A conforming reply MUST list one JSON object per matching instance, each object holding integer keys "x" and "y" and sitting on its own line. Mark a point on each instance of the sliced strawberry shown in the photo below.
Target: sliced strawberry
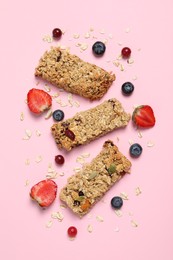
{"x": 38, "y": 100}
{"x": 44, "y": 192}
{"x": 143, "y": 116}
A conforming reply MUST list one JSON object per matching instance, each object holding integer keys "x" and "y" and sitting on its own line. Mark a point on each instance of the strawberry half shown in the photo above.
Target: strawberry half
{"x": 38, "y": 100}
{"x": 143, "y": 116}
{"x": 44, "y": 192}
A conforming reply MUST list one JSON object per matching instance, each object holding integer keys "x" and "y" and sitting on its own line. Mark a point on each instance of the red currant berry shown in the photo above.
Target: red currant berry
{"x": 59, "y": 159}
{"x": 57, "y": 33}
{"x": 70, "y": 134}
{"x": 126, "y": 52}
{"x": 72, "y": 231}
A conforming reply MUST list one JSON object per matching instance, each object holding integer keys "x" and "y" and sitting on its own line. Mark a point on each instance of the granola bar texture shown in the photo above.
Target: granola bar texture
{"x": 88, "y": 125}
{"x": 88, "y": 186}
{"x": 74, "y": 75}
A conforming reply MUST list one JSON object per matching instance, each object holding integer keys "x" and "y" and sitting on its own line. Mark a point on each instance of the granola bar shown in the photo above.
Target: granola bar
{"x": 88, "y": 125}
{"x": 74, "y": 75}
{"x": 88, "y": 186}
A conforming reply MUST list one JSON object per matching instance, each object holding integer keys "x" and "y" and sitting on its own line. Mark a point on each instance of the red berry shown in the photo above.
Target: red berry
{"x": 70, "y": 134}
{"x": 59, "y": 159}
{"x": 72, "y": 231}
{"x": 126, "y": 52}
{"x": 57, "y": 33}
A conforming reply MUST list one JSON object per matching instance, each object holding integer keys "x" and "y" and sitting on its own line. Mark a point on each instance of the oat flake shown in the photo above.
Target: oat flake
{"x": 124, "y": 196}
{"x": 99, "y": 218}
{"x": 134, "y": 223}
{"x": 48, "y": 114}
{"x": 49, "y": 223}
{"x": 21, "y": 116}
{"x": 150, "y": 144}
{"x": 27, "y": 162}
{"x": 90, "y": 228}
{"x": 38, "y": 133}
{"x": 118, "y": 212}
{"x": 117, "y": 229}
{"x": 138, "y": 191}
{"x": 28, "y": 132}
{"x": 57, "y": 215}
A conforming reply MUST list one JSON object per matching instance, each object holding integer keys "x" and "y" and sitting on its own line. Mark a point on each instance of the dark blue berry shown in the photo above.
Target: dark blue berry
{"x": 99, "y": 48}
{"x": 116, "y": 202}
{"x": 58, "y": 115}
{"x": 135, "y": 150}
{"x": 127, "y": 88}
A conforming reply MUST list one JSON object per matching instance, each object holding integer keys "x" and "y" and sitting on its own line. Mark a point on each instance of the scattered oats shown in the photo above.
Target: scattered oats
{"x": 55, "y": 95}
{"x": 105, "y": 41}
{"x": 119, "y": 57}
{"x": 83, "y": 46}
{"x": 133, "y": 223}
{"x": 118, "y": 139}
{"x": 77, "y": 169}
{"x": 63, "y": 104}
{"x": 150, "y": 143}
{"x": 117, "y": 229}
{"x": 85, "y": 155}
{"x": 90, "y": 228}
{"x": 119, "y": 43}
{"x": 116, "y": 63}
{"x": 118, "y": 212}
{"x": 102, "y": 31}
{"x": 28, "y": 133}
{"x": 76, "y": 36}
{"x": 63, "y": 32}
{"x": 49, "y": 223}
{"x": 78, "y": 44}
{"x": 52, "y": 175}
{"x": 38, "y": 133}
{"x": 21, "y": 116}
{"x": 87, "y": 35}
{"x": 47, "y": 88}
{"x": 121, "y": 67}
{"x": 99, "y": 218}
{"x": 138, "y": 191}
{"x": 131, "y": 141}
{"x": 48, "y": 38}
{"x": 57, "y": 215}
{"x": 26, "y": 182}
{"x": 50, "y": 168}
{"x": 110, "y": 36}
{"x": 94, "y": 37}
{"x": 63, "y": 47}
{"x": 91, "y": 29}
{"x": 58, "y": 100}
{"x": 130, "y": 61}
{"x": 134, "y": 78}
{"x": 124, "y": 196}
{"x": 89, "y": 215}
{"x": 48, "y": 114}
{"x": 38, "y": 159}
{"x": 130, "y": 214}
{"x": 25, "y": 138}
{"x": 139, "y": 134}
{"x": 127, "y": 30}
{"x": 26, "y": 101}
{"x": 27, "y": 162}
{"x": 37, "y": 83}
{"x": 80, "y": 159}
{"x": 61, "y": 174}
{"x": 63, "y": 206}
{"x": 135, "y": 106}
{"x": 76, "y": 104}
{"x": 104, "y": 201}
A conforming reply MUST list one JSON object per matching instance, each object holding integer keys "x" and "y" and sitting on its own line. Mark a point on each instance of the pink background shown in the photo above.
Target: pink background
{"x": 23, "y": 233}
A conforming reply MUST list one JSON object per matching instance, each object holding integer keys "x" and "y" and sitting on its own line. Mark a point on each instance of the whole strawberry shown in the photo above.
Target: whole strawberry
{"x": 143, "y": 116}
{"x": 44, "y": 192}
{"x": 38, "y": 100}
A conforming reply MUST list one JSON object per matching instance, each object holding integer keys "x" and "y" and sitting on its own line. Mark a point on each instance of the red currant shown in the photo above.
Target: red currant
{"x": 57, "y": 33}
{"x": 126, "y": 52}
{"x": 59, "y": 159}
{"x": 72, "y": 231}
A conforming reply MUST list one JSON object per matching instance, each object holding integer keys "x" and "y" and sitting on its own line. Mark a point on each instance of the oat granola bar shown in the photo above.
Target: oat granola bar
{"x": 74, "y": 75}
{"x": 88, "y": 125}
{"x": 88, "y": 186}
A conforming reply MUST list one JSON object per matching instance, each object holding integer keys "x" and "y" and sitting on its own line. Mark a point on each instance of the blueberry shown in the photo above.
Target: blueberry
{"x": 58, "y": 115}
{"x": 116, "y": 202}
{"x": 135, "y": 150}
{"x": 99, "y": 48}
{"x": 127, "y": 88}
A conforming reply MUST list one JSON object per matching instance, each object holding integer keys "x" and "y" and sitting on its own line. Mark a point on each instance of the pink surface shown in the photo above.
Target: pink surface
{"x": 147, "y": 30}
